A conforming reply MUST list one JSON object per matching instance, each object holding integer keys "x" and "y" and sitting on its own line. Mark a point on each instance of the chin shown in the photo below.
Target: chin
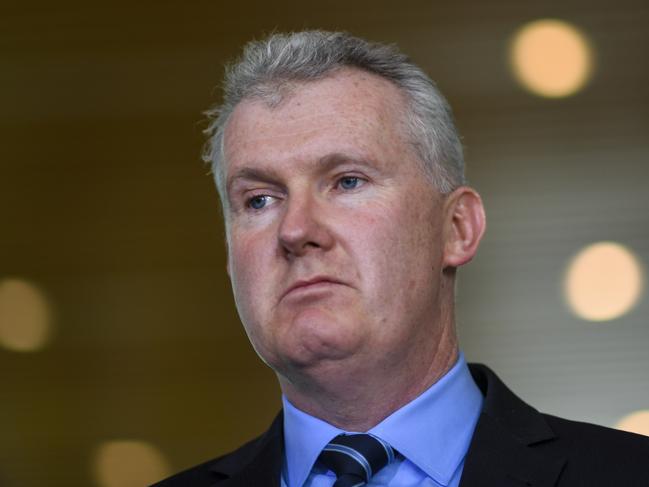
{"x": 315, "y": 338}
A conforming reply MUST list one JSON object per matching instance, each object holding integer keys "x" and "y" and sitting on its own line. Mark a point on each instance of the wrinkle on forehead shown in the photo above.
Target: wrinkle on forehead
{"x": 291, "y": 128}
{"x": 357, "y": 97}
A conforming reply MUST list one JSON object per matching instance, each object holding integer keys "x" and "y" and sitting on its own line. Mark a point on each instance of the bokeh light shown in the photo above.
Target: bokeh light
{"x": 551, "y": 58}
{"x": 603, "y": 281}
{"x": 129, "y": 463}
{"x": 25, "y": 316}
{"x": 637, "y": 422}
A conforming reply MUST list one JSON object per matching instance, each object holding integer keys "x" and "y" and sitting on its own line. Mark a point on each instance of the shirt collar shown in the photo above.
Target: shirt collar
{"x": 304, "y": 438}
{"x": 433, "y": 431}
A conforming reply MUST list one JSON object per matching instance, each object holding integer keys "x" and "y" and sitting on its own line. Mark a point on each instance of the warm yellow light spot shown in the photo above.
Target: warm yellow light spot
{"x": 637, "y": 422}
{"x": 25, "y": 316}
{"x": 551, "y": 58}
{"x": 129, "y": 463}
{"x": 603, "y": 281}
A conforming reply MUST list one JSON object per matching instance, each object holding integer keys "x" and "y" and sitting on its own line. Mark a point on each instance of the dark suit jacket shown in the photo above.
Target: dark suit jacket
{"x": 513, "y": 446}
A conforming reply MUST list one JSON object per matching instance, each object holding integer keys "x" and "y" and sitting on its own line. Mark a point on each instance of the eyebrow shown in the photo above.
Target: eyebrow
{"x": 268, "y": 174}
{"x": 335, "y": 159}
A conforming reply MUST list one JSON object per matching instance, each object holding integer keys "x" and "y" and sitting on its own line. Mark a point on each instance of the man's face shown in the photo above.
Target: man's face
{"x": 334, "y": 234}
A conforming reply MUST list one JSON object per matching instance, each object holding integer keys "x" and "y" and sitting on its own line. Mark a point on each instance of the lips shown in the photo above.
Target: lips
{"x": 304, "y": 284}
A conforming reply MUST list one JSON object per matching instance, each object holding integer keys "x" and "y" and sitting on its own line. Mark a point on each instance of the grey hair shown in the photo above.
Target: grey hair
{"x": 267, "y": 67}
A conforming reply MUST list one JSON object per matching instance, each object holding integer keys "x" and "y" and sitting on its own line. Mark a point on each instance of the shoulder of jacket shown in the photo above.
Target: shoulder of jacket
{"x": 224, "y": 466}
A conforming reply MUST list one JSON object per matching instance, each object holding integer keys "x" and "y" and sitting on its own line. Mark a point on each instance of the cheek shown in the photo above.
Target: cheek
{"x": 250, "y": 275}
{"x": 246, "y": 264}
{"x": 399, "y": 251}
{"x": 399, "y": 232}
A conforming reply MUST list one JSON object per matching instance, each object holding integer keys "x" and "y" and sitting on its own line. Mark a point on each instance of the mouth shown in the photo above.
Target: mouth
{"x": 318, "y": 282}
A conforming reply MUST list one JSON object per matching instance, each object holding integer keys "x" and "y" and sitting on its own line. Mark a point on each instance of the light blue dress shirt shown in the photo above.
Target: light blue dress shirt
{"x": 431, "y": 435}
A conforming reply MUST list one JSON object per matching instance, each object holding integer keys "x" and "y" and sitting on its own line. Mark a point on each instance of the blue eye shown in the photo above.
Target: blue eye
{"x": 258, "y": 202}
{"x": 349, "y": 182}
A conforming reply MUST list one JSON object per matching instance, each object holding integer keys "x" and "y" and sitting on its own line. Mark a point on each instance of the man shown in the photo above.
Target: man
{"x": 341, "y": 178}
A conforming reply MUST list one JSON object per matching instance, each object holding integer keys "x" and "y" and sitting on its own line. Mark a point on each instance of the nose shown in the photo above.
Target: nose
{"x": 303, "y": 228}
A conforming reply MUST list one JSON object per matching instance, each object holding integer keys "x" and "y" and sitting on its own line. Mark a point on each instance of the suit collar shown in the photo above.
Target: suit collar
{"x": 510, "y": 444}
{"x": 258, "y": 463}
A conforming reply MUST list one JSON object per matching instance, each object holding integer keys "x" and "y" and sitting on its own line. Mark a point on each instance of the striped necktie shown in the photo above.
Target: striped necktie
{"x": 355, "y": 458}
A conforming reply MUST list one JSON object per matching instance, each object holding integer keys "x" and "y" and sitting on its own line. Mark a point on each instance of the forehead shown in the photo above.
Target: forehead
{"x": 350, "y": 111}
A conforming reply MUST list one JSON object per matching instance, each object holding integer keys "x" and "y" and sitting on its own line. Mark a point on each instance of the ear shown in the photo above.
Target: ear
{"x": 464, "y": 226}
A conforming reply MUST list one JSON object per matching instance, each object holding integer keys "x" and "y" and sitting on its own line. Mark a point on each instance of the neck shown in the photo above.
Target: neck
{"x": 358, "y": 398}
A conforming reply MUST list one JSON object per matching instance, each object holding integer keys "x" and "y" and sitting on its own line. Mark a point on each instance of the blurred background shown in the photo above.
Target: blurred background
{"x": 122, "y": 358}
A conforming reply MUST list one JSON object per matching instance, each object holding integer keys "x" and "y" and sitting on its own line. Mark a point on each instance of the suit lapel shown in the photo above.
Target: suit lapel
{"x": 261, "y": 465}
{"x": 496, "y": 459}
{"x": 512, "y": 443}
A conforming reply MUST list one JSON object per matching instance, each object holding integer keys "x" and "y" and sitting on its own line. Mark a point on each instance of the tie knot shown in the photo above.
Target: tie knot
{"x": 355, "y": 458}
